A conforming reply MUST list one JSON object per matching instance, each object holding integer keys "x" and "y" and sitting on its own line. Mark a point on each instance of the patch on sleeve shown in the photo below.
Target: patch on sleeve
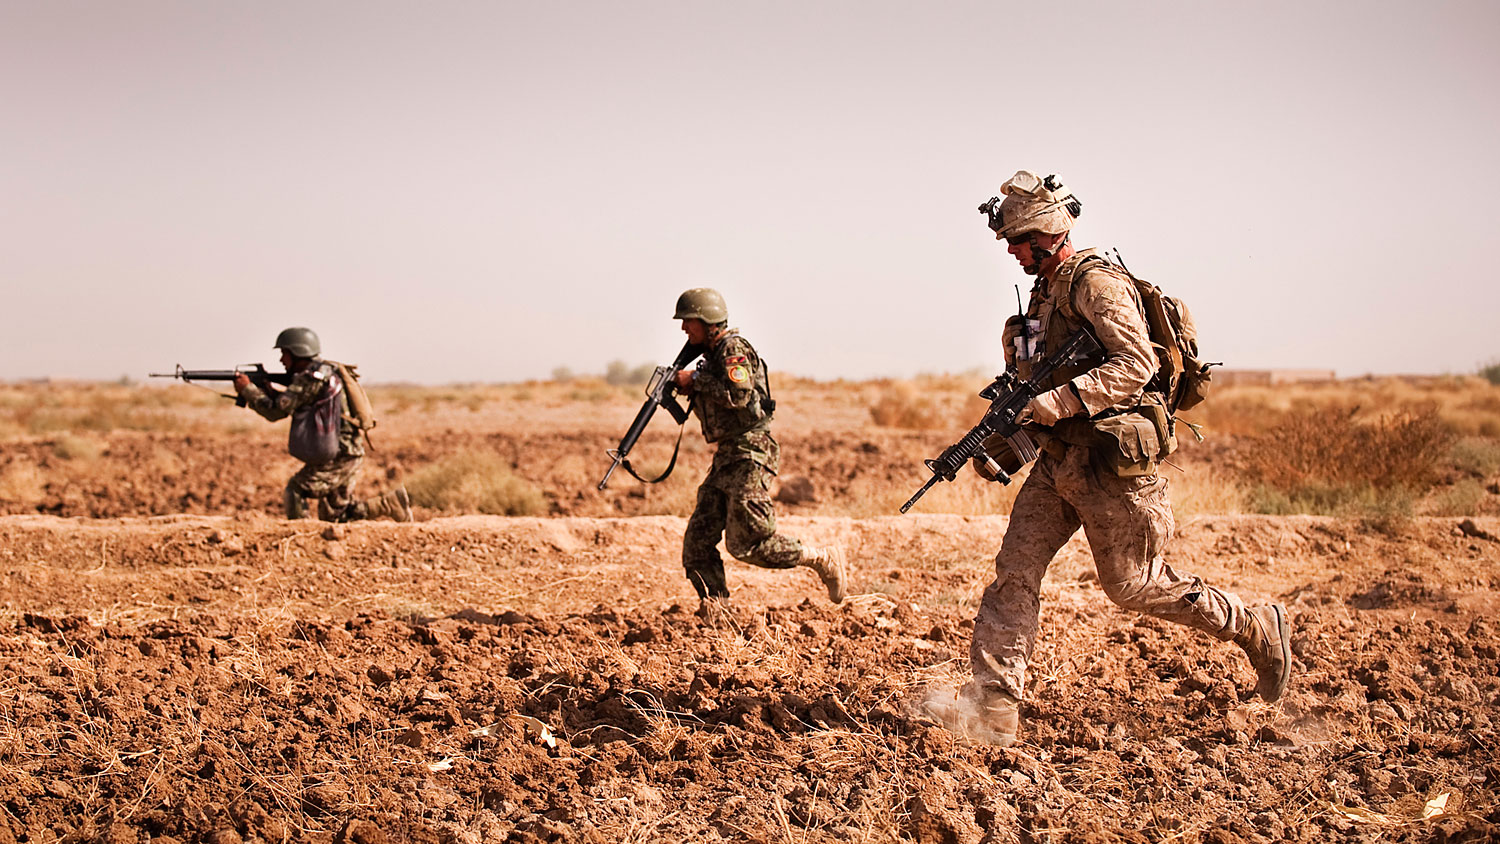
{"x": 739, "y": 373}
{"x": 734, "y": 359}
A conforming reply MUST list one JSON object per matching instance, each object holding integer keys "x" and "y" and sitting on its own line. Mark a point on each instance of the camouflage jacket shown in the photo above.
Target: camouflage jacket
{"x": 306, "y": 388}
{"x": 1095, "y": 294}
{"x": 732, "y": 395}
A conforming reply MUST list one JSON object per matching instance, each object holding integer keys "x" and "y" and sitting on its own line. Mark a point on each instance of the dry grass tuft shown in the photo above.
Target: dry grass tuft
{"x": 74, "y": 447}
{"x": 902, "y": 406}
{"x": 1464, "y": 498}
{"x": 1197, "y": 491}
{"x": 475, "y": 482}
{"x": 21, "y": 483}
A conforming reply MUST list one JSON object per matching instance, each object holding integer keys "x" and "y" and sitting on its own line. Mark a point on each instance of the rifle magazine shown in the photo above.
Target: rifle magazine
{"x": 1023, "y": 445}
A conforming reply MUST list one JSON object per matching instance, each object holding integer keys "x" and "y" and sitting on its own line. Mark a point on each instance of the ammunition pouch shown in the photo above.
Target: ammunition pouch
{"x": 1128, "y": 445}
{"x": 1132, "y": 443}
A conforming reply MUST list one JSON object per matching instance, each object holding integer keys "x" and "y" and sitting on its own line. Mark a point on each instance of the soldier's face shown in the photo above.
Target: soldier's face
{"x": 1020, "y": 248}
{"x": 696, "y": 330}
{"x": 286, "y": 360}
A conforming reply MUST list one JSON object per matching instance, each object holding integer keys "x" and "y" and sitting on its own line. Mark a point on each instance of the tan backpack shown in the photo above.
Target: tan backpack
{"x": 361, "y": 412}
{"x": 1182, "y": 377}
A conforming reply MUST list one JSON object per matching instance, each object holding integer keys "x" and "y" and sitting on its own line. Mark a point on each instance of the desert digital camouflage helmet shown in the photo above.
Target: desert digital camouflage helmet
{"x": 1032, "y": 204}
{"x": 301, "y": 342}
{"x": 703, "y": 303}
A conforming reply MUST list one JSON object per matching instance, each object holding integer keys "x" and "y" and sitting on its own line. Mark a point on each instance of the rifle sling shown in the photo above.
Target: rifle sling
{"x": 670, "y": 466}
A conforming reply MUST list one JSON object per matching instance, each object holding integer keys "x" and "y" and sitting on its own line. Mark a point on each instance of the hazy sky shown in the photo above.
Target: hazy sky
{"x": 485, "y": 191}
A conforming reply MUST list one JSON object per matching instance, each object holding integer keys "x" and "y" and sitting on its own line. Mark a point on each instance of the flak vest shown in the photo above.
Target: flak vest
{"x": 1129, "y": 440}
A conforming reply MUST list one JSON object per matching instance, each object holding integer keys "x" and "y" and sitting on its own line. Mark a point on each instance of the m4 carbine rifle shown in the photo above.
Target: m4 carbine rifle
{"x": 661, "y": 391}
{"x": 256, "y": 372}
{"x": 1007, "y": 395}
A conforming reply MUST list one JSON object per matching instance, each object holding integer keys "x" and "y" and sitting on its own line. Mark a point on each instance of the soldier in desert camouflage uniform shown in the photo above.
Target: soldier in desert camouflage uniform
{"x": 731, "y": 395}
{"x": 331, "y": 482}
{"x": 1092, "y": 406}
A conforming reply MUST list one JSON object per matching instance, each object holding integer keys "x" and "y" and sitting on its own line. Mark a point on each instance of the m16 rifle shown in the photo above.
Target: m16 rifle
{"x": 254, "y": 371}
{"x": 661, "y": 391}
{"x": 1007, "y": 395}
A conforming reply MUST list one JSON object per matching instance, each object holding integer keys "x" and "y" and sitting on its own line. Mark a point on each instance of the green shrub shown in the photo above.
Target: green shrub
{"x": 1387, "y": 509}
{"x": 619, "y": 373}
{"x": 1461, "y": 499}
{"x": 474, "y": 482}
{"x": 1491, "y": 372}
{"x": 1477, "y": 456}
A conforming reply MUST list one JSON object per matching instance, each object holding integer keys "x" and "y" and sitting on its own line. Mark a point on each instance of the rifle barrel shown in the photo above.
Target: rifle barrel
{"x": 921, "y": 492}
{"x": 617, "y": 460}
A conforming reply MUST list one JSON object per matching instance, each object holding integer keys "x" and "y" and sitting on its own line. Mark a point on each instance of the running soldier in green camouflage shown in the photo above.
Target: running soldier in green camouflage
{"x": 731, "y": 395}
{"x": 316, "y": 385}
{"x": 1101, "y": 443}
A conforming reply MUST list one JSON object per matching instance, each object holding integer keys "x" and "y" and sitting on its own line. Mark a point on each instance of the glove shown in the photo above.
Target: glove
{"x": 1008, "y": 338}
{"x": 1047, "y": 408}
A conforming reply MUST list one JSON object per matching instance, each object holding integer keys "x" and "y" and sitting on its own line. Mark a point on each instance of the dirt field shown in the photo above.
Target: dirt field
{"x": 185, "y": 666}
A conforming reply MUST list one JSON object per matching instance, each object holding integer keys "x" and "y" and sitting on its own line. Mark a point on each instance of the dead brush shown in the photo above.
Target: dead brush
{"x": 669, "y": 733}
{"x": 758, "y": 646}
{"x": 902, "y": 406}
{"x": 632, "y": 813}
{"x": 474, "y": 482}
{"x": 1326, "y": 460}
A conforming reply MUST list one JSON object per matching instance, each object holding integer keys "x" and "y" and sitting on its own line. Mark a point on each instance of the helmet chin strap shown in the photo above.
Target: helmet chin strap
{"x": 1040, "y": 256}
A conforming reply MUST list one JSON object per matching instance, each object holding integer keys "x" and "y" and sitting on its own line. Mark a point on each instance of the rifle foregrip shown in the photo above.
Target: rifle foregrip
{"x": 959, "y": 453}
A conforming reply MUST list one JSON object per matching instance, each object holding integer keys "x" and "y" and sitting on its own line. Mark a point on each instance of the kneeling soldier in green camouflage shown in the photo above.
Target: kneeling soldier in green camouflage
{"x": 731, "y": 394}
{"x": 324, "y": 434}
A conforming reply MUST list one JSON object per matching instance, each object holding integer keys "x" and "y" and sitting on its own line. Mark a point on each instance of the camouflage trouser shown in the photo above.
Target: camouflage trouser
{"x": 332, "y": 483}
{"x": 1128, "y": 522}
{"x": 735, "y": 501}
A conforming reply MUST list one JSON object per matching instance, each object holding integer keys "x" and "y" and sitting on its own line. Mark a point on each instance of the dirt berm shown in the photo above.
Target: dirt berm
{"x": 238, "y": 679}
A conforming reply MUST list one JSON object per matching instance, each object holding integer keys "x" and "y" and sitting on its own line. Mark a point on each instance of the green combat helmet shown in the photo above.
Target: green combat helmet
{"x": 703, "y": 303}
{"x": 301, "y": 342}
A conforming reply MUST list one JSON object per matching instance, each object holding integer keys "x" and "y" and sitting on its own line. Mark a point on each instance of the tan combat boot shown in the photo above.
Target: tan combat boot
{"x": 828, "y": 562}
{"x": 988, "y": 716}
{"x": 1267, "y": 640}
{"x": 396, "y": 504}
